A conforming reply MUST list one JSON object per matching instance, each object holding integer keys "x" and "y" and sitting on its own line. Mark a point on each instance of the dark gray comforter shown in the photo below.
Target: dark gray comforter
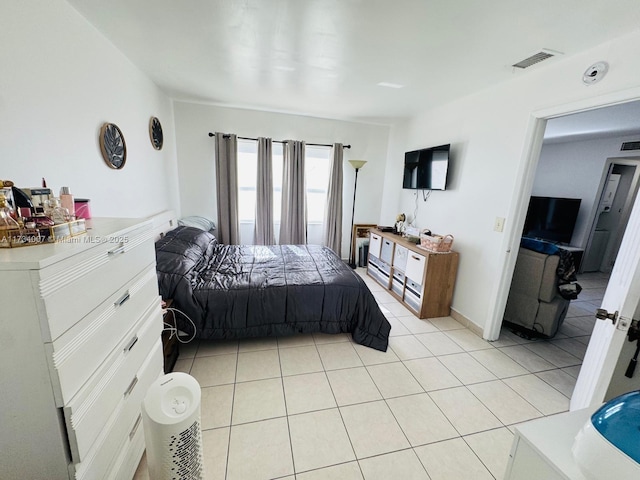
{"x": 238, "y": 291}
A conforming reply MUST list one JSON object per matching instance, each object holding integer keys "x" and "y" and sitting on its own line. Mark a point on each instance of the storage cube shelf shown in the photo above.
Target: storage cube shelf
{"x": 423, "y": 281}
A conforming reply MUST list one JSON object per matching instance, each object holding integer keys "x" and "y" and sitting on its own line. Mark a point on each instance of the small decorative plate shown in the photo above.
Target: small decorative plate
{"x": 155, "y": 133}
{"x": 113, "y": 146}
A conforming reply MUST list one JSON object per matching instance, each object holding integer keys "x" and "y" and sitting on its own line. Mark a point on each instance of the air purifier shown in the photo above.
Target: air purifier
{"x": 172, "y": 432}
{"x": 608, "y": 445}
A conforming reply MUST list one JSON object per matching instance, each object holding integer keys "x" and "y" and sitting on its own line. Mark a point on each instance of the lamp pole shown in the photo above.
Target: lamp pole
{"x": 357, "y": 164}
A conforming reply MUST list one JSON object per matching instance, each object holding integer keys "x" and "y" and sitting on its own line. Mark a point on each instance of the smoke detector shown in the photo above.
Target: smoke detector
{"x": 595, "y": 73}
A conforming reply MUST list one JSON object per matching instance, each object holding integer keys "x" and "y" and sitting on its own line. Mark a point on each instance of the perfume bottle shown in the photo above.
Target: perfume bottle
{"x": 6, "y": 217}
{"x": 9, "y": 227}
{"x": 59, "y": 214}
{"x": 66, "y": 200}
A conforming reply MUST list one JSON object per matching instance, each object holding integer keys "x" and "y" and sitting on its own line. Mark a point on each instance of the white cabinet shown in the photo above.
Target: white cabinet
{"x": 81, "y": 345}
{"x": 541, "y": 448}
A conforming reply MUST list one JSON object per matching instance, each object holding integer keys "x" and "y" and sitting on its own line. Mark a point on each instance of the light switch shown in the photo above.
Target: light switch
{"x": 498, "y": 226}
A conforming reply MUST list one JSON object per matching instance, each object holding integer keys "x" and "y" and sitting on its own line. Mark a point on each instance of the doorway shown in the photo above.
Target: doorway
{"x": 620, "y": 187}
{"x": 521, "y": 202}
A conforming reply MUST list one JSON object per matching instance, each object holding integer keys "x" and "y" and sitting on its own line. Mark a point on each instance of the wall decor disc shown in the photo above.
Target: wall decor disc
{"x": 113, "y": 146}
{"x": 155, "y": 132}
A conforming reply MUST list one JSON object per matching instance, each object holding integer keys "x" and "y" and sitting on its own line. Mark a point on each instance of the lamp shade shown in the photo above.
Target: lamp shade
{"x": 357, "y": 163}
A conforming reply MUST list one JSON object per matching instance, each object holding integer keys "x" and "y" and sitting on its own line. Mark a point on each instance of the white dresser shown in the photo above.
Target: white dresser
{"x": 79, "y": 347}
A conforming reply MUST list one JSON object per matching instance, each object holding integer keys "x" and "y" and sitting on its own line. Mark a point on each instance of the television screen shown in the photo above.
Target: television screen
{"x": 551, "y": 219}
{"x": 426, "y": 169}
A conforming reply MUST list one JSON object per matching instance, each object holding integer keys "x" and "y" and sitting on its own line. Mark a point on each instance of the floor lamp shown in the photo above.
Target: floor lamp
{"x": 357, "y": 164}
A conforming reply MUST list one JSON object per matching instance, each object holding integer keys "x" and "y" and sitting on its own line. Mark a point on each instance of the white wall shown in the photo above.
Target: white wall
{"x": 61, "y": 80}
{"x": 196, "y": 154}
{"x": 575, "y": 170}
{"x": 490, "y": 136}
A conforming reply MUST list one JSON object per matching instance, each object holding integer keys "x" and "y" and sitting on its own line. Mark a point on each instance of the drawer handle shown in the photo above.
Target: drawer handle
{"x": 131, "y": 386}
{"x": 116, "y": 251}
{"x": 135, "y": 427}
{"x": 375, "y": 237}
{"x": 133, "y": 341}
{"x": 122, "y": 299}
{"x": 415, "y": 258}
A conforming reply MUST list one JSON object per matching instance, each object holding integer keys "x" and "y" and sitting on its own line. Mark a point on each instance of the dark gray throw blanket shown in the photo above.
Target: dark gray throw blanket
{"x": 238, "y": 291}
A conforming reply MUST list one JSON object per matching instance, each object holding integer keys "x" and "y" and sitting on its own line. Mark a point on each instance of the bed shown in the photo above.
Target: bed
{"x": 240, "y": 291}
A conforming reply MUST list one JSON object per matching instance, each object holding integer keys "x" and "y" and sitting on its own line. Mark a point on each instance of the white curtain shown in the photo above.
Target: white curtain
{"x": 333, "y": 209}
{"x": 264, "y": 230}
{"x": 228, "y": 231}
{"x": 293, "y": 223}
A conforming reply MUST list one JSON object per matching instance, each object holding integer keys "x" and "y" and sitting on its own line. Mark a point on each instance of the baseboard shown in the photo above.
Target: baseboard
{"x": 461, "y": 319}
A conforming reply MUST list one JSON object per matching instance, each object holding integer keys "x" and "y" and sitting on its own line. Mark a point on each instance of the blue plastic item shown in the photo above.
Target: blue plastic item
{"x": 618, "y": 421}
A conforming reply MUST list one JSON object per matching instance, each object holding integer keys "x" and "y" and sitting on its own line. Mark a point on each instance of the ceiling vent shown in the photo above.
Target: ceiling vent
{"x": 630, "y": 146}
{"x": 536, "y": 58}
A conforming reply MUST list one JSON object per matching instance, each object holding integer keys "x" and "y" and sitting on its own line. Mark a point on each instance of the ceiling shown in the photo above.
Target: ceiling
{"x": 327, "y": 58}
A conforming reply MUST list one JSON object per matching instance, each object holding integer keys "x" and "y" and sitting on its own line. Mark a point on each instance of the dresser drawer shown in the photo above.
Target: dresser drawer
{"x": 386, "y": 251}
{"x": 375, "y": 244}
{"x": 400, "y": 258}
{"x": 114, "y": 382}
{"x": 415, "y": 267}
{"x": 76, "y": 354}
{"x": 129, "y": 456}
{"x": 71, "y": 289}
{"x": 124, "y": 424}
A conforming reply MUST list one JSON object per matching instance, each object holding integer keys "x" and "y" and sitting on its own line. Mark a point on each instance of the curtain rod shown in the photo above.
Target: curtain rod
{"x": 226, "y": 135}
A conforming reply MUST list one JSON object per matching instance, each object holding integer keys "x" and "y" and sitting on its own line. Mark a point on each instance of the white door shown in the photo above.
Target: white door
{"x": 622, "y": 296}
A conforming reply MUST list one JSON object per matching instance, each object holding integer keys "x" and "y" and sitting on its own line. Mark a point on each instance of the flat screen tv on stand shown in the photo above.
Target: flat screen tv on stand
{"x": 552, "y": 219}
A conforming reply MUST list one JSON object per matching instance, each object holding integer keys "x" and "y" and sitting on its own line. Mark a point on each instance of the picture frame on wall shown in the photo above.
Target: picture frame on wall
{"x": 155, "y": 133}
{"x": 113, "y": 146}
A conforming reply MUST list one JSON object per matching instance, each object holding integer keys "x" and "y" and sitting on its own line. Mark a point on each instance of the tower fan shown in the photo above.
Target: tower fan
{"x": 173, "y": 436}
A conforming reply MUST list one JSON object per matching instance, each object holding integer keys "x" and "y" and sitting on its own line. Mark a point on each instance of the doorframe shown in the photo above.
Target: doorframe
{"x": 523, "y": 187}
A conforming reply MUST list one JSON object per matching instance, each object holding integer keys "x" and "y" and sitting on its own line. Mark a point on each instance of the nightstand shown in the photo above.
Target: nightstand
{"x": 170, "y": 344}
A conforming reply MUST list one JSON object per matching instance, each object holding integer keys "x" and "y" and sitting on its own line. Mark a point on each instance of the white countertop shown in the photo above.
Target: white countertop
{"x": 99, "y": 231}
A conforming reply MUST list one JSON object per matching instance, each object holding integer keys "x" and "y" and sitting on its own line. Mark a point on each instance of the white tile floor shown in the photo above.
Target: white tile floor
{"x": 439, "y": 404}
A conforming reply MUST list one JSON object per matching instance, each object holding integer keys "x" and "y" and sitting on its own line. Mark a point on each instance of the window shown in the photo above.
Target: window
{"x": 247, "y": 173}
{"x": 317, "y": 181}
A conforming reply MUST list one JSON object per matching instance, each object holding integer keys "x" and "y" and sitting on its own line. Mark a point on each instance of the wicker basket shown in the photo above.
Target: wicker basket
{"x": 436, "y": 243}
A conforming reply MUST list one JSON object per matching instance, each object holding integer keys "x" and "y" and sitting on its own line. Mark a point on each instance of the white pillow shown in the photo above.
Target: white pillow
{"x": 196, "y": 221}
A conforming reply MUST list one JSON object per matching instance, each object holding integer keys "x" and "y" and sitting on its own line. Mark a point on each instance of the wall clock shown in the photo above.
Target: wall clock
{"x": 113, "y": 146}
{"x": 155, "y": 133}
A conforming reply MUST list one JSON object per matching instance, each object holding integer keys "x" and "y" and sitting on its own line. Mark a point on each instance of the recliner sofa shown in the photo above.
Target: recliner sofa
{"x": 534, "y": 306}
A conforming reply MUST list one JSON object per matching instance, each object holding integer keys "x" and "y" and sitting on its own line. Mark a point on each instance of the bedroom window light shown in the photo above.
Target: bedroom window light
{"x": 317, "y": 181}
{"x": 247, "y": 171}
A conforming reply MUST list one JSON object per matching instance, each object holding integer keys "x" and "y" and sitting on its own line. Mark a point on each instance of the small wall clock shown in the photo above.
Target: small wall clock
{"x": 155, "y": 133}
{"x": 113, "y": 146}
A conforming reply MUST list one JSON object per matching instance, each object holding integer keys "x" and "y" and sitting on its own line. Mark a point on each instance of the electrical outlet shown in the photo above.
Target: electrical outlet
{"x": 498, "y": 226}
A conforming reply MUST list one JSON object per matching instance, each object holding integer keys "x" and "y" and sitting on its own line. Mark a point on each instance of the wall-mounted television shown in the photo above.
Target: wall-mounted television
{"x": 426, "y": 169}
{"x": 552, "y": 219}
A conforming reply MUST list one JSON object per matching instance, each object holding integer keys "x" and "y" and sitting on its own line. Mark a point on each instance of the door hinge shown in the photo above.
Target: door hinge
{"x": 602, "y": 314}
